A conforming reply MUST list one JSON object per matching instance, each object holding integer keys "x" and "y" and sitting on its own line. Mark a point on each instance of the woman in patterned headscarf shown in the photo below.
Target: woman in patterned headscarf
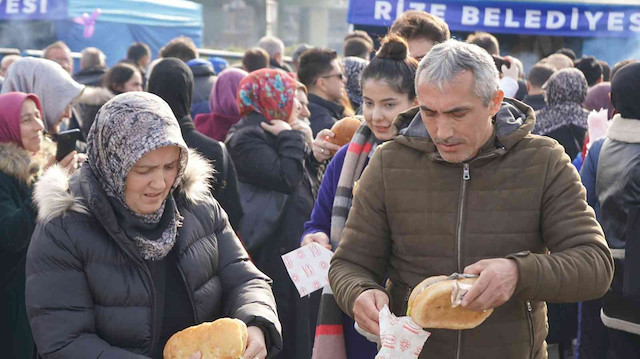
{"x": 564, "y": 118}
{"x": 269, "y": 148}
{"x": 353, "y": 67}
{"x": 133, "y": 248}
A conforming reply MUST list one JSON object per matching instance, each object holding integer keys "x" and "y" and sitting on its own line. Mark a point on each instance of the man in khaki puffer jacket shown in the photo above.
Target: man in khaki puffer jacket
{"x": 467, "y": 188}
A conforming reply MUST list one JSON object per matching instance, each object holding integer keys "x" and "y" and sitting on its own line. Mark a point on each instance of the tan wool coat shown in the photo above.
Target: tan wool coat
{"x": 416, "y": 215}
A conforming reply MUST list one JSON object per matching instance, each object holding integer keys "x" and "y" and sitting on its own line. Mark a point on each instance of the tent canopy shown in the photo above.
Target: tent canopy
{"x": 122, "y": 22}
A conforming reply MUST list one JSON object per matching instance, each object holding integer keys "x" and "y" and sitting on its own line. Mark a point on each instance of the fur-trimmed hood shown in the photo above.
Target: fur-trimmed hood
{"x": 55, "y": 194}
{"x": 16, "y": 162}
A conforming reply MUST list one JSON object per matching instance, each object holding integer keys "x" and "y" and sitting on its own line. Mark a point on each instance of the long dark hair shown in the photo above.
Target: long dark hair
{"x": 117, "y": 76}
{"x": 393, "y": 66}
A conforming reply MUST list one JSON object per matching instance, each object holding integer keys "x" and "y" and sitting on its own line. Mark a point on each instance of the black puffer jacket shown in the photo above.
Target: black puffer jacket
{"x": 618, "y": 188}
{"x": 275, "y": 163}
{"x": 89, "y": 293}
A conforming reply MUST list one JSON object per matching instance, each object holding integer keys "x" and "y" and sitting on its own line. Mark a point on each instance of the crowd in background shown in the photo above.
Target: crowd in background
{"x": 265, "y": 125}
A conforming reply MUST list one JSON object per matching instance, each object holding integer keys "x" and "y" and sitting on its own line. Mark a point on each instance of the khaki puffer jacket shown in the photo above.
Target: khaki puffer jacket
{"x": 416, "y": 216}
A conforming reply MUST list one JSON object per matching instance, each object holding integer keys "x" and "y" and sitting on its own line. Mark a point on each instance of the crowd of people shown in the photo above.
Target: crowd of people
{"x": 192, "y": 177}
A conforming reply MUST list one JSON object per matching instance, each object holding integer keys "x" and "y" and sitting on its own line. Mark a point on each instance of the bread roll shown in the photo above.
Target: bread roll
{"x": 344, "y": 130}
{"x": 225, "y": 338}
{"x": 430, "y": 305}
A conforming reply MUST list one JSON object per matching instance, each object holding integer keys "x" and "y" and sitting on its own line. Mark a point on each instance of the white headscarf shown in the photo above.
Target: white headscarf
{"x": 48, "y": 80}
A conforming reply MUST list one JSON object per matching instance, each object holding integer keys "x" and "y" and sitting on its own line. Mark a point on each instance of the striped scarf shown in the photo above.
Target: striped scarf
{"x": 329, "y": 338}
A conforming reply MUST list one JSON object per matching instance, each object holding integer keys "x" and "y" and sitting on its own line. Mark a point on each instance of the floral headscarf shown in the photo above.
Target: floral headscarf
{"x": 269, "y": 92}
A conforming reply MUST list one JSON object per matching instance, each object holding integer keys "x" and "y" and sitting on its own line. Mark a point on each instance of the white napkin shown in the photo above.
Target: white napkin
{"x": 308, "y": 267}
{"x": 400, "y": 338}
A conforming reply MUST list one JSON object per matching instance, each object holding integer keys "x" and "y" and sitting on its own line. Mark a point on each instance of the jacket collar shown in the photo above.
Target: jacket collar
{"x": 91, "y": 71}
{"x": 624, "y": 129}
{"x": 201, "y": 68}
{"x": 513, "y": 122}
{"x": 335, "y": 108}
{"x": 17, "y": 163}
{"x": 56, "y": 193}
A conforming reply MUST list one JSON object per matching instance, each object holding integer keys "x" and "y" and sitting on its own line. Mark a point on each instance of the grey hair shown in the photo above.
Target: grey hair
{"x": 93, "y": 57}
{"x": 272, "y": 45}
{"x": 448, "y": 59}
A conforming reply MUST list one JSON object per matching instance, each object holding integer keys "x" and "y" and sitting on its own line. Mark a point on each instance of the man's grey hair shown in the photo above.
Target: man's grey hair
{"x": 448, "y": 59}
{"x": 272, "y": 45}
{"x": 56, "y": 45}
{"x": 10, "y": 58}
{"x": 93, "y": 57}
{"x": 299, "y": 50}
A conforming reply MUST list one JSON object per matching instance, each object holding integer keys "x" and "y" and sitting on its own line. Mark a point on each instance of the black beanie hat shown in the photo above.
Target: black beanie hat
{"x": 625, "y": 91}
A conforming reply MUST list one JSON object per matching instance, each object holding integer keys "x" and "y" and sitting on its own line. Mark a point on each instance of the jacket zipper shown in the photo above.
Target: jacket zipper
{"x": 466, "y": 175}
{"x": 531, "y": 339}
{"x": 406, "y": 301}
{"x": 193, "y": 306}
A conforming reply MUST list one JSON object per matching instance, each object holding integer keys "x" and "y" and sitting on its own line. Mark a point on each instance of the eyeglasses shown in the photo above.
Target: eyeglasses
{"x": 340, "y": 76}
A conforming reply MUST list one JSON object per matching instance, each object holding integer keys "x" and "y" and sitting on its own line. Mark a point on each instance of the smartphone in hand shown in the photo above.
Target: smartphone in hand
{"x": 66, "y": 143}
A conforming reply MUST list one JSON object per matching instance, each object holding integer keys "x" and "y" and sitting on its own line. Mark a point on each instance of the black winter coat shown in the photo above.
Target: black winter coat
{"x": 571, "y": 137}
{"x": 204, "y": 77}
{"x": 276, "y": 163}
{"x": 17, "y": 221}
{"x": 225, "y": 184}
{"x": 323, "y": 113}
{"x": 91, "y": 77}
{"x": 618, "y": 188}
{"x": 89, "y": 292}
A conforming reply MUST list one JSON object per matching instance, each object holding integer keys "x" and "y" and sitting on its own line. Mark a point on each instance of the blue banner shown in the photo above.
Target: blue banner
{"x": 33, "y": 9}
{"x": 512, "y": 17}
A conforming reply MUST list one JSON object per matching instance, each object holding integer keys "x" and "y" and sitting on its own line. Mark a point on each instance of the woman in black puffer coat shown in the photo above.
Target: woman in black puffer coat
{"x": 133, "y": 248}
{"x": 172, "y": 80}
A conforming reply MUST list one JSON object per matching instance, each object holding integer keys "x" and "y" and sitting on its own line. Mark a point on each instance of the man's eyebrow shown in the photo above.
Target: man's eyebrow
{"x": 455, "y": 109}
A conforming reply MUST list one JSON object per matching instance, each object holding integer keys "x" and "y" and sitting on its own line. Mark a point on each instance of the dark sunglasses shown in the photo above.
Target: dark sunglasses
{"x": 340, "y": 76}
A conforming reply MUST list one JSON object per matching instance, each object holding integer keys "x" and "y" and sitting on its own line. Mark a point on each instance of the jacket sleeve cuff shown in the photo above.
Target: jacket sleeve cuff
{"x": 359, "y": 290}
{"x": 527, "y": 274}
{"x": 272, "y": 337}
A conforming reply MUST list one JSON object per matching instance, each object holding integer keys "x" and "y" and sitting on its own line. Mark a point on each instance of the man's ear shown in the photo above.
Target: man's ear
{"x": 320, "y": 84}
{"x": 496, "y": 102}
{"x": 528, "y": 86}
{"x": 277, "y": 57}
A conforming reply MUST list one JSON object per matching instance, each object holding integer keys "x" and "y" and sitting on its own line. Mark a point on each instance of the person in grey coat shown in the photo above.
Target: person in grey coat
{"x": 133, "y": 248}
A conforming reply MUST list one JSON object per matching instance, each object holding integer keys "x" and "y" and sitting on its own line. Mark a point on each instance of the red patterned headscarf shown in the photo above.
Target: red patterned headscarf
{"x": 269, "y": 92}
